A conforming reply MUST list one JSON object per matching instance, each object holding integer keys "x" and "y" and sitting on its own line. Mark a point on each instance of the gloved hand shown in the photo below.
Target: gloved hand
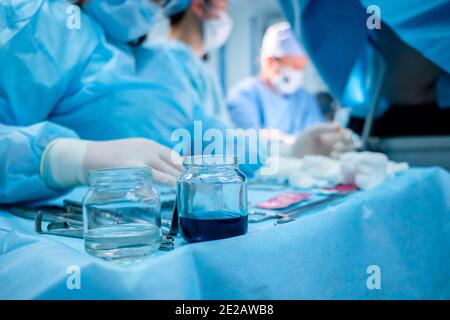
{"x": 328, "y": 139}
{"x": 66, "y": 162}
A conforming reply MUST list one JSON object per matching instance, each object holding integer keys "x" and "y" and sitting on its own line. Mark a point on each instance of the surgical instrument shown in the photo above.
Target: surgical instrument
{"x": 67, "y": 221}
{"x": 284, "y": 216}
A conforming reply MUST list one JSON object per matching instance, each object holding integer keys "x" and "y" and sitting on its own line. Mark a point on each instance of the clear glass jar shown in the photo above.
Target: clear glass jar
{"x": 212, "y": 199}
{"x": 122, "y": 214}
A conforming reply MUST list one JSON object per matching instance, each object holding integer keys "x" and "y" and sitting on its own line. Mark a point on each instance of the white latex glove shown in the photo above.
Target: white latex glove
{"x": 66, "y": 162}
{"x": 328, "y": 139}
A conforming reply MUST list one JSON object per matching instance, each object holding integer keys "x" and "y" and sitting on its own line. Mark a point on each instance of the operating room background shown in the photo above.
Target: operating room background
{"x": 239, "y": 58}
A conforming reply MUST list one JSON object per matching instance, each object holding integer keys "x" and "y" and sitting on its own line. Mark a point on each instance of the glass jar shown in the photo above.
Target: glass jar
{"x": 122, "y": 214}
{"x": 212, "y": 199}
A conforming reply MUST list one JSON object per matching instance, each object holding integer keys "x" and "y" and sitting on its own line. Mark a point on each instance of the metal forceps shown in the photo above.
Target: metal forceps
{"x": 66, "y": 220}
{"x": 289, "y": 215}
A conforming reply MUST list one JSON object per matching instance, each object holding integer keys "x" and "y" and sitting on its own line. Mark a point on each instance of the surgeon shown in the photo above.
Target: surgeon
{"x": 66, "y": 96}
{"x": 276, "y": 98}
{"x": 189, "y": 34}
{"x": 411, "y": 37}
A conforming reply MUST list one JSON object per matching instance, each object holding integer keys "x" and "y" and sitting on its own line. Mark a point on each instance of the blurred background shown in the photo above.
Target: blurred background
{"x": 409, "y": 135}
{"x": 239, "y": 58}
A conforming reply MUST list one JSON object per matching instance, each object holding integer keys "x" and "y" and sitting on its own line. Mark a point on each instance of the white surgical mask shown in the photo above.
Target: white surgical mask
{"x": 216, "y": 32}
{"x": 288, "y": 81}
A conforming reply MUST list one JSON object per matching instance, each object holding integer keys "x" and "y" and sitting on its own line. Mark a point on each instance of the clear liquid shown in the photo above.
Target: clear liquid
{"x": 123, "y": 243}
{"x": 125, "y": 212}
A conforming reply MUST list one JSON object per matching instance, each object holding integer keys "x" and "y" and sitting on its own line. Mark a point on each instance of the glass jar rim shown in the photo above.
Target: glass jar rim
{"x": 119, "y": 172}
{"x": 210, "y": 161}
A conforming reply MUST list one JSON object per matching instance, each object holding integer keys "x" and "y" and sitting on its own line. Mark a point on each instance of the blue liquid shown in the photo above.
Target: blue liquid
{"x": 194, "y": 229}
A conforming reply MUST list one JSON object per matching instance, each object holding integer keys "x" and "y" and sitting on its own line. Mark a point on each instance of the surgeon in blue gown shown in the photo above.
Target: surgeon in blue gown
{"x": 276, "y": 99}
{"x": 189, "y": 41}
{"x": 68, "y": 78}
{"x": 414, "y": 39}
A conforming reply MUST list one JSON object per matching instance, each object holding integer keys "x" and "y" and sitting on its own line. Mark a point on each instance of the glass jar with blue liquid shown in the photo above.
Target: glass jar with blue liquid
{"x": 212, "y": 199}
{"x": 122, "y": 214}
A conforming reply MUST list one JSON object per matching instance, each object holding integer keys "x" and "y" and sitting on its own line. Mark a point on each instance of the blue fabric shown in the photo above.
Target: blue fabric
{"x": 22, "y": 148}
{"x": 188, "y": 74}
{"x": 124, "y": 20}
{"x": 32, "y": 82}
{"x": 87, "y": 87}
{"x": 46, "y": 90}
{"x": 402, "y": 226}
{"x": 253, "y": 105}
{"x": 327, "y": 24}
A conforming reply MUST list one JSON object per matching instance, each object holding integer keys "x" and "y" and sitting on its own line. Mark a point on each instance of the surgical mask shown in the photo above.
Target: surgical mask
{"x": 216, "y": 32}
{"x": 288, "y": 81}
{"x": 124, "y": 20}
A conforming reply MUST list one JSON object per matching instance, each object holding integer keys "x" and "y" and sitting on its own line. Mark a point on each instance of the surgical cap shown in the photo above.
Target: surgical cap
{"x": 172, "y": 7}
{"x": 280, "y": 41}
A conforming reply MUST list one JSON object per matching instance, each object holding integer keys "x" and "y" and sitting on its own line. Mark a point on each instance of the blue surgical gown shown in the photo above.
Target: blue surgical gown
{"x": 58, "y": 82}
{"x": 253, "y": 105}
{"x": 334, "y": 33}
{"x": 177, "y": 58}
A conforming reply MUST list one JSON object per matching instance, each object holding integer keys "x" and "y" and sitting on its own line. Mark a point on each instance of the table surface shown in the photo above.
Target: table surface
{"x": 396, "y": 235}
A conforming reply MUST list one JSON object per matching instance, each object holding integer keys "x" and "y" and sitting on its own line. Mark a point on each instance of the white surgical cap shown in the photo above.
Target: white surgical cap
{"x": 172, "y": 7}
{"x": 280, "y": 41}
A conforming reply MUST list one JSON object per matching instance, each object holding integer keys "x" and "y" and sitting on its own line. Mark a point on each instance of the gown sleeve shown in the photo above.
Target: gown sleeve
{"x": 40, "y": 58}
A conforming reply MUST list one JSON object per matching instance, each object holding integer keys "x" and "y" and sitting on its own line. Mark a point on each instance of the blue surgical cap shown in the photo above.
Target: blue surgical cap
{"x": 172, "y": 7}
{"x": 280, "y": 41}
